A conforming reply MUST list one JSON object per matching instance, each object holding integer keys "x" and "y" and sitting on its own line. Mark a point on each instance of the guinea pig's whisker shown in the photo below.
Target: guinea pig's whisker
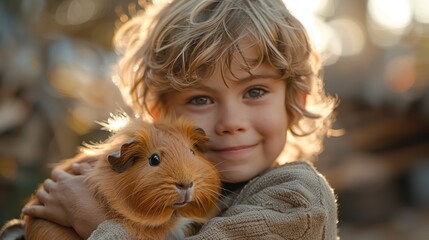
{"x": 200, "y": 204}
{"x": 151, "y": 206}
{"x": 226, "y": 196}
{"x": 163, "y": 206}
{"x": 119, "y": 193}
{"x": 140, "y": 189}
{"x": 230, "y": 170}
{"x": 197, "y": 202}
{"x": 219, "y": 202}
{"x": 229, "y": 191}
{"x": 155, "y": 205}
{"x": 216, "y": 164}
{"x": 212, "y": 193}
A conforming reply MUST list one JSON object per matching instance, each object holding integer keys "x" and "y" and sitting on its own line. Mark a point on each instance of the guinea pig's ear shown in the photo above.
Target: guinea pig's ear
{"x": 200, "y": 139}
{"x": 200, "y": 131}
{"x": 120, "y": 161}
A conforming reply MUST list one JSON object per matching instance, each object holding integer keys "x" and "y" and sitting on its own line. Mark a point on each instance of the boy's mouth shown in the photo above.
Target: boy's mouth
{"x": 236, "y": 150}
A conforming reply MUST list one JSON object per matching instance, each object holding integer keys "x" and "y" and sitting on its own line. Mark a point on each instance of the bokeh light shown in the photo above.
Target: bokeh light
{"x": 308, "y": 7}
{"x": 421, "y": 10}
{"x": 400, "y": 73}
{"x": 390, "y": 14}
{"x": 388, "y": 20}
{"x": 335, "y": 38}
{"x": 75, "y": 12}
{"x": 350, "y": 35}
{"x": 310, "y": 13}
{"x": 8, "y": 167}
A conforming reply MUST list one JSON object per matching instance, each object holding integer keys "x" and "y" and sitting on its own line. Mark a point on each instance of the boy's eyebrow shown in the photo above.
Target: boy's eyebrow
{"x": 257, "y": 76}
{"x": 240, "y": 80}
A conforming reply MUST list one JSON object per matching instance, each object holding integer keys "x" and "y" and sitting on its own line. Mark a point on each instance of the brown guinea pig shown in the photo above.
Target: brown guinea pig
{"x": 150, "y": 177}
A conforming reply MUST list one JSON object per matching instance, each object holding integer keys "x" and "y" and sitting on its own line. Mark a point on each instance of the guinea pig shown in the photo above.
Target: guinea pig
{"x": 150, "y": 177}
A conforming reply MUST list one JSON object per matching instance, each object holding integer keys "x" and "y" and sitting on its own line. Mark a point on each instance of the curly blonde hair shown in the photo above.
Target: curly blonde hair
{"x": 173, "y": 45}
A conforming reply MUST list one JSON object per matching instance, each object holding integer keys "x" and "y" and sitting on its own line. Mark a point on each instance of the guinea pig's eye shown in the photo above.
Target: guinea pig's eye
{"x": 154, "y": 160}
{"x": 192, "y": 151}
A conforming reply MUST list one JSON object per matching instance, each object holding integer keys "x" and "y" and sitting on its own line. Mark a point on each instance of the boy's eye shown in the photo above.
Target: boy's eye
{"x": 255, "y": 93}
{"x": 200, "y": 100}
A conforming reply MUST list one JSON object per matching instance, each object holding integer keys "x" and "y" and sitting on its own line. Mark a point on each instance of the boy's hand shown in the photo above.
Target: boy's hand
{"x": 67, "y": 201}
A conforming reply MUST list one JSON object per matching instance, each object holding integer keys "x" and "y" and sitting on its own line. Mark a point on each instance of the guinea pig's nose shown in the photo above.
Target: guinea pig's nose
{"x": 185, "y": 191}
{"x": 184, "y": 186}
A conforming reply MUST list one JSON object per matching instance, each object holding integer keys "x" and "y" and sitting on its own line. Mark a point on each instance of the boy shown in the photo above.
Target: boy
{"x": 243, "y": 71}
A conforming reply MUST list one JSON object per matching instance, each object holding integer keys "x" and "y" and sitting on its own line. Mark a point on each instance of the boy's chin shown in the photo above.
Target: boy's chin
{"x": 242, "y": 172}
{"x": 236, "y": 177}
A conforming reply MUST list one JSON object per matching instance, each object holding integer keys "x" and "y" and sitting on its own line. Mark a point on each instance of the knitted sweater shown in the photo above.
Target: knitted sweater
{"x": 292, "y": 201}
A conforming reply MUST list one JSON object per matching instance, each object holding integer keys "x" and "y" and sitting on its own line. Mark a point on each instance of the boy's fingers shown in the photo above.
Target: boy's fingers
{"x": 80, "y": 168}
{"x": 34, "y": 210}
{"x": 42, "y": 195}
{"x": 59, "y": 174}
{"x": 48, "y": 185}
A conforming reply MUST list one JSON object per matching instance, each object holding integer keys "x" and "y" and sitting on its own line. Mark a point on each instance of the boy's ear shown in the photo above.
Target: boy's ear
{"x": 302, "y": 98}
{"x": 122, "y": 160}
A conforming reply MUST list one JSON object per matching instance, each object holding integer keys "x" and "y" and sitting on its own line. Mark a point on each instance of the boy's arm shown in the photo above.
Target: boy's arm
{"x": 258, "y": 223}
{"x": 293, "y": 202}
{"x": 110, "y": 230}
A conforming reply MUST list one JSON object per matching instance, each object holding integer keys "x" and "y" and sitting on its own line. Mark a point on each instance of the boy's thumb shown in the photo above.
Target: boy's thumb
{"x": 80, "y": 168}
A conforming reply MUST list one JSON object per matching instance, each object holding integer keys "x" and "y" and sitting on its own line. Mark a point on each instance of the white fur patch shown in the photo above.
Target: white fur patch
{"x": 178, "y": 231}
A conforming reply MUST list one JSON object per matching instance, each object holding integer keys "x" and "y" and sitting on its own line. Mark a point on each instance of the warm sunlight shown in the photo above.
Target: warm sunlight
{"x": 421, "y": 10}
{"x": 333, "y": 39}
{"x": 390, "y": 14}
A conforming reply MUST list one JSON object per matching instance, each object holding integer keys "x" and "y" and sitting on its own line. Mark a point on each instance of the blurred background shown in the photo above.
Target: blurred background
{"x": 56, "y": 62}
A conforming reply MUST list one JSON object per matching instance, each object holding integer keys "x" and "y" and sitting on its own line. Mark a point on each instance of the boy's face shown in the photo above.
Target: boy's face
{"x": 245, "y": 120}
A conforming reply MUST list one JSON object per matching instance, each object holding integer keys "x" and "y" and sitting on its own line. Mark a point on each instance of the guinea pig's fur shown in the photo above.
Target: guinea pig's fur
{"x": 150, "y": 177}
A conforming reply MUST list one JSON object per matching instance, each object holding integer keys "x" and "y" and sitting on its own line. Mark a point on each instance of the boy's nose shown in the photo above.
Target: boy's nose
{"x": 231, "y": 120}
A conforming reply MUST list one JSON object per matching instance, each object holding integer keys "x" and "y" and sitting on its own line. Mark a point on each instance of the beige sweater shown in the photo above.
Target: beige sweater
{"x": 292, "y": 201}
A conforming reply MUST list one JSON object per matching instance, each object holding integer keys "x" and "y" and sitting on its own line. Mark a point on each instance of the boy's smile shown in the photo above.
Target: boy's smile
{"x": 242, "y": 113}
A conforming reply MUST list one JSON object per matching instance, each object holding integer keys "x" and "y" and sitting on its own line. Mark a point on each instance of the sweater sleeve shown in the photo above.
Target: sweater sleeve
{"x": 109, "y": 230}
{"x": 282, "y": 205}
